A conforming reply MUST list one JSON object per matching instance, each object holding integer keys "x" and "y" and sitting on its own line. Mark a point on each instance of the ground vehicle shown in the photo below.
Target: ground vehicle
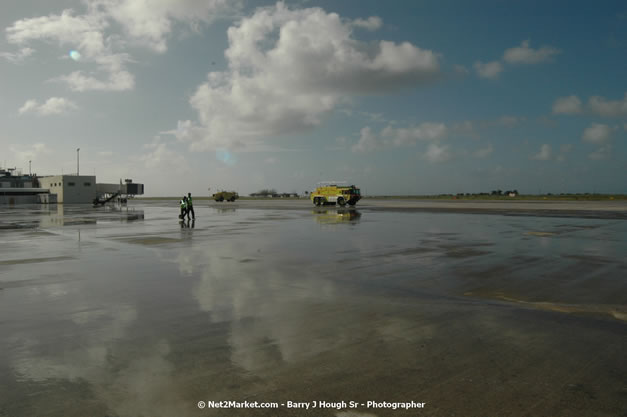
{"x": 333, "y": 192}
{"x": 225, "y": 195}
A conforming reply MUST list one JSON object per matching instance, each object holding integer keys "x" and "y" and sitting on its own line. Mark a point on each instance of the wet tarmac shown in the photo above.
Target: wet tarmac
{"x": 488, "y": 311}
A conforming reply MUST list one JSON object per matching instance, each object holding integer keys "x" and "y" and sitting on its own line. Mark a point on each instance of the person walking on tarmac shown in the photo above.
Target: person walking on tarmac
{"x": 190, "y": 206}
{"x": 183, "y": 208}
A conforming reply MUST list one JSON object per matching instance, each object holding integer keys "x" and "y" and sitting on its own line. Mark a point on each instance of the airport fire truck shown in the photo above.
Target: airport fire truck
{"x": 335, "y": 192}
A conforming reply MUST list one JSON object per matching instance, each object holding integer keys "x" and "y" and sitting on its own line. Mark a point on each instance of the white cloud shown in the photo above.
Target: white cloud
{"x": 596, "y": 105}
{"x": 597, "y": 133}
{"x": 118, "y": 80}
{"x": 484, "y": 152}
{"x": 149, "y": 23}
{"x": 608, "y": 108}
{"x": 409, "y": 136}
{"x": 544, "y": 154}
{"x": 437, "y": 153}
{"x": 84, "y": 33}
{"x": 30, "y": 152}
{"x": 367, "y": 141}
{"x": 603, "y": 152}
{"x": 523, "y": 54}
{"x": 160, "y": 157}
{"x": 372, "y": 23}
{"x": 17, "y": 57}
{"x": 509, "y": 121}
{"x": 567, "y": 105}
{"x": 52, "y": 106}
{"x": 91, "y": 34}
{"x": 489, "y": 69}
{"x": 397, "y": 137}
{"x": 289, "y": 68}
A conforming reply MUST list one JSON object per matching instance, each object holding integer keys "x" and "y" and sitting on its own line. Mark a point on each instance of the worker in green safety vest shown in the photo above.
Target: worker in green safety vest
{"x": 183, "y": 208}
{"x": 190, "y": 206}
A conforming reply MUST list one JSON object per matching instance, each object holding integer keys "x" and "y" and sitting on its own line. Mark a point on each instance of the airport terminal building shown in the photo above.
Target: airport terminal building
{"x": 16, "y": 188}
{"x": 71, "y": 189}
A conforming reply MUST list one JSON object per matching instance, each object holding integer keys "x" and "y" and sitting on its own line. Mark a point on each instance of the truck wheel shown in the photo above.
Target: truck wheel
{"x": 341, "y": 201}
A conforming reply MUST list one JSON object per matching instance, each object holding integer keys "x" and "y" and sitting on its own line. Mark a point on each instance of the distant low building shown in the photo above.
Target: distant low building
{"x": 71, "y": 189}
{"x": 16, "y": 188}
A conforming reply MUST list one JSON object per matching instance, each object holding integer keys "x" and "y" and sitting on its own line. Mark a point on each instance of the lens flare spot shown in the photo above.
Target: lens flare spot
{"x": 225, "y": 156}
{"x": 75, "y": 55}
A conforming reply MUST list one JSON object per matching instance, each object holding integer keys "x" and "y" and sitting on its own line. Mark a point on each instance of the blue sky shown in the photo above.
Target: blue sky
{"x": 413, "y": 97}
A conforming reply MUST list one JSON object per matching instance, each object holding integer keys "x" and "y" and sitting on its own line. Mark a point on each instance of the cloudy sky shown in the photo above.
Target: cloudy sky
{"x": 402, "y": 97}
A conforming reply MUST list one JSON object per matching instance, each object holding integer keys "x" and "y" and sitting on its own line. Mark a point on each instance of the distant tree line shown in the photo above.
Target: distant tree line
{"x": 493, "y": 192}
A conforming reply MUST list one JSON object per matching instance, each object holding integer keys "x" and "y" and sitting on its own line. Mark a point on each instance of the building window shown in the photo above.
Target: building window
{"x": 70, "y": 184}
{"x": 87, "y": 184}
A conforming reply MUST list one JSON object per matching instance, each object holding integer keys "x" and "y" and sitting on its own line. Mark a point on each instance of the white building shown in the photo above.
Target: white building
{"x": 71, "y": 189}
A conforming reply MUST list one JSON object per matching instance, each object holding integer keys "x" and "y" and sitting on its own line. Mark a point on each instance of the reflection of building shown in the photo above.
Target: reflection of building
{"x": 71, "y": 188}
{"x": 22, "y": 189}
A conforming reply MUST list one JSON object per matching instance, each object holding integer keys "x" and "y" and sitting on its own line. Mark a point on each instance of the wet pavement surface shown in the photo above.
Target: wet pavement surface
{"x": 127, "y": 312}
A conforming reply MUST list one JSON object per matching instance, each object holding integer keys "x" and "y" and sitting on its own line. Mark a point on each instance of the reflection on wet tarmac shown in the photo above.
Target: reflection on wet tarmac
{"x": 470, "y": 314}
{"x": 338, "y": 216}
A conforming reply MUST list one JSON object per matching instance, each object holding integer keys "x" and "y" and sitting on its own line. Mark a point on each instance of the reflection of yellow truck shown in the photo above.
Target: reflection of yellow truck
{"x": 335, "y": 193}
{"x": 337, "y": 216}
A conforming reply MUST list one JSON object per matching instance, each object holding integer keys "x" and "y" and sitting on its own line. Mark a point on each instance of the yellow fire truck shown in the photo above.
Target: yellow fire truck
{"x": 334, "y": 192}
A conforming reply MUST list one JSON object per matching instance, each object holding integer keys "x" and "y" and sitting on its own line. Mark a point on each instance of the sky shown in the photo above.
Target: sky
{"x": 400, "y": 97}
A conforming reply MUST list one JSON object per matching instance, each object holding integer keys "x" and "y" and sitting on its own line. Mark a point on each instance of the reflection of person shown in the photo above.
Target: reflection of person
{"x": 190, "y": 206}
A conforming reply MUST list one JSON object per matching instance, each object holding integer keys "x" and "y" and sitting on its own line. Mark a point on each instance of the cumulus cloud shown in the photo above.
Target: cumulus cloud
{"x": 437, "y": 153}
{"x": 409, "y": 136}
{"x": 608, "y": 108}
{"x": 85, "y": 33}
{"x": 597, "y": 133}
{"x": 489, "y": 69}
{"x": 52, "y": 106}
{"x": 391, "y": 136}
{"x": 523, "y": 54}
{"x": 149, "y": 23}
{"x": 372, "y": 23}
{"x": 159, "y": 156}
{"x": 596, "y": 105}
{"x": 544, "y": 154}
{"x": 367, "y": 141}
{"x": 567, "y": 105}
{"x": 91, "y": 35}
{"x": 19, "y": 56}
{"x": 483, "y": 152}
{"x": 288, "y": 68}
{"x": 603, "y": 152}
{"x": 29, "y": 152}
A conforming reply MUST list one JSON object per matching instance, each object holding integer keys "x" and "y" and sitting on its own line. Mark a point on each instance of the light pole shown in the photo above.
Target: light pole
{"x": 30, "y": 173}
{"x": 77, "y": 161}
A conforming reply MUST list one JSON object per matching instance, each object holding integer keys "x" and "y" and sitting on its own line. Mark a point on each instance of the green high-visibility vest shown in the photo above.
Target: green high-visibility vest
{"x": 189, "y": 201}
{"x": 182, "y": 203}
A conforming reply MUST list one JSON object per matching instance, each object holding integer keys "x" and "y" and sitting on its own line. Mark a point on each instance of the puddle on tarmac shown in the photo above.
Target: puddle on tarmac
{"x": 465, "y": 312}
